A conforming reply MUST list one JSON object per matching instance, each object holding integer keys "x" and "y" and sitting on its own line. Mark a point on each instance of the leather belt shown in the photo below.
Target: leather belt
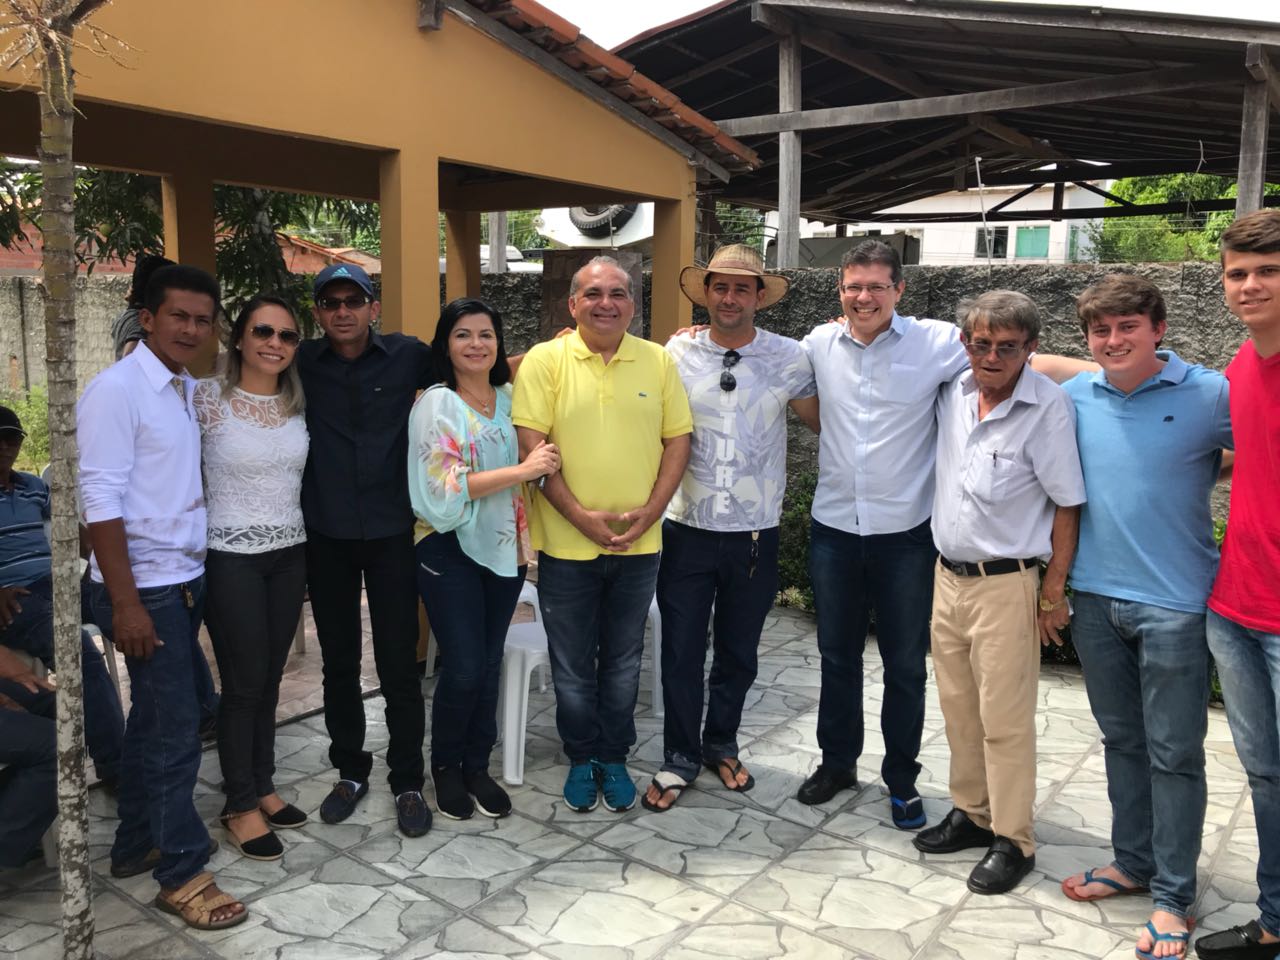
{"x": 988, "y": 568}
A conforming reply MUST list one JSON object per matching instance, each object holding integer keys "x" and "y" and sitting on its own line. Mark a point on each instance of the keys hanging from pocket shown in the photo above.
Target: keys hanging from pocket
{"x": 187, "y": 598}
{"x": 754, "y": 557}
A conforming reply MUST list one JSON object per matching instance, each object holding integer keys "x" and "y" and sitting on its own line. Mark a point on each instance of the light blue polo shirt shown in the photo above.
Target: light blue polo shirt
{"x": 1150, "y": 459}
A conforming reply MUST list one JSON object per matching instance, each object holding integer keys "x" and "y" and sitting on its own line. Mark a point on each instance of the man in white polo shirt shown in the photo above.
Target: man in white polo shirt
{"x": 1009, "y": 489}
{"x": 870, "y": 546}
{"x": 144, "y": 505}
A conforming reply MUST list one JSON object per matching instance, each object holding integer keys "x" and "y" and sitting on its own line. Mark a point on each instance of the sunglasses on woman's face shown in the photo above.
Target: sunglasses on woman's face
{"x": 264, "y": 332}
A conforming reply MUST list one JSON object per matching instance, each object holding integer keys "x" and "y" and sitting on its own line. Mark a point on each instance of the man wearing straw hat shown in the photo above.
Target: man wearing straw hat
{"x": 720, "y": 535}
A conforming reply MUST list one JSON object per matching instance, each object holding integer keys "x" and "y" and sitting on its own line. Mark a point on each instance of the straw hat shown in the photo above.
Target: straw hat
{"x": 737, "y": 259}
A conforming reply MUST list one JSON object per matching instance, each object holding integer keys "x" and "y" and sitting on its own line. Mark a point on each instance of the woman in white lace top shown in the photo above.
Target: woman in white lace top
{"x": 254, "y": 447}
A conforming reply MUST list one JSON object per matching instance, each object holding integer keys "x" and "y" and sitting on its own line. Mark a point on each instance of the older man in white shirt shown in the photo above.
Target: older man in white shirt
{"x": 144, "y": 505}
{"x": 1009, "y": 489}
{"x": 871, "y": 549}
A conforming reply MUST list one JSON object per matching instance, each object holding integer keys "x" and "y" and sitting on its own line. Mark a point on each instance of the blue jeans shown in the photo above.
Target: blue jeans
{"x": 739, "y": 575}
{"x": 1249, "y": 668}
{"x": 469, "y": 607}
{"x": 594, "y": 612}
{"x": 32, "y": 632}
{"x": 852, "y": 575}
{"x": 161, "y": 739}
{"x": 28, "y": 780}
{"x": 1146, "y": 670}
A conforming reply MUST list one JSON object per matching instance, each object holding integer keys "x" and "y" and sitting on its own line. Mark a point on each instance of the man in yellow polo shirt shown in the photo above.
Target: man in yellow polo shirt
{"x": 615, "y": 406}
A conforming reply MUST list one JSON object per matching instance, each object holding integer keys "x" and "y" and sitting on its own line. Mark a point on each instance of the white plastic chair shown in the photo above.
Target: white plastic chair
{"x": 526, "y": 649}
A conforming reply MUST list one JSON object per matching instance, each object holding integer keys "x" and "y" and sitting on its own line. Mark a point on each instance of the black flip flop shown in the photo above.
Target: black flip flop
{"x": 673, "y": 782}
{"x": 733, "y": 765}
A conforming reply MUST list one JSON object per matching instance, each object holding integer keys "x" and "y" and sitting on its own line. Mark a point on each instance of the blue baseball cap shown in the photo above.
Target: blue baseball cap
{"x": 343, "y": 271}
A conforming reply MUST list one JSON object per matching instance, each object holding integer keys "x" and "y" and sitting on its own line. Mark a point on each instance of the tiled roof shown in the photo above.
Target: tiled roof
{"x": 564, "y": 41}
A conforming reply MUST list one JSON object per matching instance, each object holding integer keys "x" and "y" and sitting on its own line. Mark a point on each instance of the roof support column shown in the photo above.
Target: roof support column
{"x": 186, "y": 198}
{"x": 462, "y": 253}
{"x": 498, "y": 242}
{"x": 789, "y": 161}
{"x": 1252, "y": 178}
{"x": 674, "y": 235}
{"x": 408, "y": 199}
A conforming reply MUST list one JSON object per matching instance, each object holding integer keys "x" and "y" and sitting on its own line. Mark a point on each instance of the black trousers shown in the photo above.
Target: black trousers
{"x": 387, "y": 566}
{"x": 252, "y": 605}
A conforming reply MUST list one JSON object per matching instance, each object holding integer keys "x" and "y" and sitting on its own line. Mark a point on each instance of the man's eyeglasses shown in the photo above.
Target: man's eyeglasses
{"x": 353, "y": 302}
{"x": 727, "y": 380}
{"x": 875, "y": 289}
{"x": 264, "y": 332}
{"x": 980, "y": 348}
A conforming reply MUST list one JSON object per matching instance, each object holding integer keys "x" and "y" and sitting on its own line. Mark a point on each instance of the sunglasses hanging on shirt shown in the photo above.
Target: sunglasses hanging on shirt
{"x": 727, "y": 380}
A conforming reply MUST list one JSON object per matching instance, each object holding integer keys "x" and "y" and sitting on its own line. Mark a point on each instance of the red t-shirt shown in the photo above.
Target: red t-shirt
{"x": 1248, "y": 586}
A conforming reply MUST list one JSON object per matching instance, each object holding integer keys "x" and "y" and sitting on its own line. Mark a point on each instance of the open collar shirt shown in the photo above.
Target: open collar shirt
{"x": 879, "y": 427}
{"x": 140, "y": 462}
{"x": 1001, "y": 478}
{"x": 355, "y": 486}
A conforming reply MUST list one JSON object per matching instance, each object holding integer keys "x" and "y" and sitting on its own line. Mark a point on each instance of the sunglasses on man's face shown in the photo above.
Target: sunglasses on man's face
{"x": 264, "y": 332}
{"x": 728, "y": 381}
{"x": 353, "y": 302}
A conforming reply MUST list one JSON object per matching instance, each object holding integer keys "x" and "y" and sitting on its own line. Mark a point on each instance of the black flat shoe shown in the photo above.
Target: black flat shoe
{"x": 287, "y": 817}
{"x": 1002, "y": 869}
{"x": 1238, "y": 943}
{"x": 824, "y": 783}
{"x": 264, "y": 847}
{"x": 955, "y": 832}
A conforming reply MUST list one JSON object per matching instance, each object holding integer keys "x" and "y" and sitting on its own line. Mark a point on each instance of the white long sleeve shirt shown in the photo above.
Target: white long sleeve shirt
{"x": 140, "y": 462}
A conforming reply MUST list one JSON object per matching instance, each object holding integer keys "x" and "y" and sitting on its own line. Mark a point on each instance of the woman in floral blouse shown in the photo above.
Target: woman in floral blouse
{"x": 465, "y": 481}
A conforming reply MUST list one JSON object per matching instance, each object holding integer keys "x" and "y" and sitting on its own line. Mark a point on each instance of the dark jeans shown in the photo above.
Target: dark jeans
{"x": 161, "y": 739}
{"x": 32, "y": 632}
{"x": 29, "y": 778}
{"x": 252, "y": 612}
{"x": 334, "y": 572}
{"x": 1146, "y": 670}
{"x": 740, "y": 576}
{"x": 594, "y": 612}
{"x": 1249, "y": 667}
{"x": 470, "y": 608}
{"x": 205, "y": 689}
{"x": 852, "y": 575}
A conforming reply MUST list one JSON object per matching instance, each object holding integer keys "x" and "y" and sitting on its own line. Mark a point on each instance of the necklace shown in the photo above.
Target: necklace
{"x": 485, "y": 408}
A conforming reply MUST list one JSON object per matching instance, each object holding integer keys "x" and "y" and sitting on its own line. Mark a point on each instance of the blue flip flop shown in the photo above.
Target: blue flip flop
{"x": 1119, "y": 888}
{"x": 1177, "y": 936}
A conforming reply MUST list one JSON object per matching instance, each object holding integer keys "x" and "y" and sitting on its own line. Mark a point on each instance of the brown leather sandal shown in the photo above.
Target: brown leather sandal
{"x": 197, "y": 911}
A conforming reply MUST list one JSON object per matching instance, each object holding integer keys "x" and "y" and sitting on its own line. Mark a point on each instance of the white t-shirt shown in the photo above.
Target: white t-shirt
{"x": 738, "y": 460}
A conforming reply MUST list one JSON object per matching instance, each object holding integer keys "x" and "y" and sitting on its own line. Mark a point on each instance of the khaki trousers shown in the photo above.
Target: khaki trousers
{"x": 986, "y": 661}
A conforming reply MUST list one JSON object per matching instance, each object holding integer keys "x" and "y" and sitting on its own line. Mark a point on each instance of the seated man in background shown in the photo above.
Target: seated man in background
{"x": 28, "y": 761}
{"x": 26, "y": 598}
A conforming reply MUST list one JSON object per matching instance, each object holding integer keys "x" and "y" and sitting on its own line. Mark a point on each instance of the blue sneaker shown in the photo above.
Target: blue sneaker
{"x": 617, "y": 786}
{"x": 908, "y": 814}
{"x": 581, "y": 791}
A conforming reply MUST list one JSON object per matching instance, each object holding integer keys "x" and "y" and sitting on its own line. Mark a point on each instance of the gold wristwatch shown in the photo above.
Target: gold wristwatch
{"x": 1048, "y": 606}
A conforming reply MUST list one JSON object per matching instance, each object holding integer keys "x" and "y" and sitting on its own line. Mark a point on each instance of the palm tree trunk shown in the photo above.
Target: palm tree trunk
{"x": 59, "y": 276}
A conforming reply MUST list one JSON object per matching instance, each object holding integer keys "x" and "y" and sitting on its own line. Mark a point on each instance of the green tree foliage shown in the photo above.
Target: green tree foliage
{"x": 119, "y": 214}
{"x": 32, "y": 408}
{"x": 1170, "y": 238}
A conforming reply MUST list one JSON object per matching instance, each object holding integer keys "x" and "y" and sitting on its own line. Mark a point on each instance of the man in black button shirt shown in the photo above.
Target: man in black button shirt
{"x": 360, "y": 386}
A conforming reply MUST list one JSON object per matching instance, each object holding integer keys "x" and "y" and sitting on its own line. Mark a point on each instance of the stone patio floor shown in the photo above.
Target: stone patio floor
{"x": 755, "y": 876}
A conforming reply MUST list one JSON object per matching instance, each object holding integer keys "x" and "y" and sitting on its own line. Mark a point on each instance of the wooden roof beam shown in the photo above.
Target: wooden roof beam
{"x": 987, "y": 101}
{"x": 1263, "y": 70}
{"x": 711, "y": 66}
{"x": 1083, "y": 18}
{"x": 833, "y": 190}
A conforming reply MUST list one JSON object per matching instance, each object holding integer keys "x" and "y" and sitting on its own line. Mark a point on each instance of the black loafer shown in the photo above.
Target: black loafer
{"x": 955, "y": 832}
{"x": 824, "y": 783}
{"x": 1002, "y": 869}
{"x": 1238, "y": 943}
{"x": 341, "y": 801}
{"x": 413, "y": 817}
{"x": 287, "y": 817}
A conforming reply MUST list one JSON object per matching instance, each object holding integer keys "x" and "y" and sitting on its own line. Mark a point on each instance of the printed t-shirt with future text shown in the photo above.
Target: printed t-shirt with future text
{"x": 609, "y": 422}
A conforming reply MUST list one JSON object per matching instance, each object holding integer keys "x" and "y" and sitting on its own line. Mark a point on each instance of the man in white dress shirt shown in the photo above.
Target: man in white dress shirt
{"x": 1009, "y": 489}
{"x": 870, "y": 545}
{"x": 144, "y": 505}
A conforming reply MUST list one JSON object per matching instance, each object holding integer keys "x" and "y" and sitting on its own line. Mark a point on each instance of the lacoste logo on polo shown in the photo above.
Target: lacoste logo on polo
{"x": 1169, "y": 419}
{"x": 643, "y": 394}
